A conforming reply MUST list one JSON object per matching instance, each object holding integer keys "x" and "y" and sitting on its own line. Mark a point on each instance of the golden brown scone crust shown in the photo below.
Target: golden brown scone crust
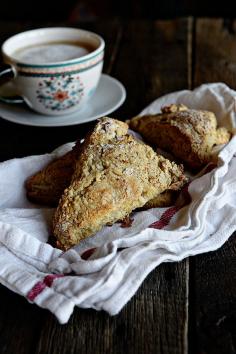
{"x": 114, "y": 174}
{"x": 168, "y": 197}
{"x": 222, "y": 136}
{"x": 162, "y": 200}
{"x": 47, "y": 185}
{"x": 187, "y": 133}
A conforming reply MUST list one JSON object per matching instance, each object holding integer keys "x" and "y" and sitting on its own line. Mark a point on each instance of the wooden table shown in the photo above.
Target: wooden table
{"x": 185, "y": 307}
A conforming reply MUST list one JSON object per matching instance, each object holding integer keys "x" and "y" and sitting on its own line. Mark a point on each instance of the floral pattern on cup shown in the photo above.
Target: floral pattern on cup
{"x": 58, "y": 93}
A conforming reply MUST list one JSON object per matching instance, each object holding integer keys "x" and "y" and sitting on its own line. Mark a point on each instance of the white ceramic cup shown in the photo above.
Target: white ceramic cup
{"x": 53, "y": 88}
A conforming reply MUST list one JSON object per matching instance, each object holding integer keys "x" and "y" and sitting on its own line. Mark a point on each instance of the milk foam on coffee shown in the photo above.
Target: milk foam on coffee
{"x": 52, "y": 52}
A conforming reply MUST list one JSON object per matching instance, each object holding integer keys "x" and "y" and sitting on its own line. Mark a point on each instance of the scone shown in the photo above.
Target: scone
{"x": 162, "y": 200}
{"x": 187, "y": 133}
{"x": 114, "y": 174}
{"x": 47, "y": 185}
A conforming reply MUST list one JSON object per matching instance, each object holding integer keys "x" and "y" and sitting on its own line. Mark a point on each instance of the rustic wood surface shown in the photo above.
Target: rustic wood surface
{"x": 213, "y": 276}
{"x": 185, "y": 307}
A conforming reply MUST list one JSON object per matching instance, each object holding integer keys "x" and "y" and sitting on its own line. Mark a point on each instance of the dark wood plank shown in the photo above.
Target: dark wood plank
{"x": 213, "y": 301}
{"x": 154, "y": 321}
{"x": 156, "y": 318}
{"x": 213, "y": 276}
{"x": 152, "y": 61}
{"x": 215, "y": 58}
{"x": 20, "y": 323}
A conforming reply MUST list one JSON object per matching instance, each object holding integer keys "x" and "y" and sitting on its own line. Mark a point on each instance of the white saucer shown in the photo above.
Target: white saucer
{"x": 109, "y": 95}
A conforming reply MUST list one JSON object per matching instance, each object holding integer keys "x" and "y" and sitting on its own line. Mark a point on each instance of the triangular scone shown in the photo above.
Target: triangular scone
{"x": 47, "y": 185}
{"x": 114, "y": 174}
{"x": 187, "y": 133}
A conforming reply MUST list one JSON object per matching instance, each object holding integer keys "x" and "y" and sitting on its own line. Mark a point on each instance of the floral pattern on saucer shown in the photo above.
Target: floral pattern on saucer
{"x": 60, "y": 92}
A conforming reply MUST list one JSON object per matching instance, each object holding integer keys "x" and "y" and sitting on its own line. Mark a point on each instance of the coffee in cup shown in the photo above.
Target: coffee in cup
{"x": 55, "y": 52}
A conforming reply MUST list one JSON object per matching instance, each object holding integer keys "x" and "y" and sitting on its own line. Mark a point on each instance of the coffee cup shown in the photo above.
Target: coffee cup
{"x": 55, "y": 71}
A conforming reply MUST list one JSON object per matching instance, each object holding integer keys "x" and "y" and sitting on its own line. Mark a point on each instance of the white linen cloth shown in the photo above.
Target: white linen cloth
{"x": 122, "y": 257}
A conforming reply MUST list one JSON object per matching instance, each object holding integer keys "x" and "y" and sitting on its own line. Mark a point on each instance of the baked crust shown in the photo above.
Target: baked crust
{"x": 47, "y": 185}
{"x": 187, "y": 133}
{"x": 162, "y": 200}
{"x": 114, "y": 174}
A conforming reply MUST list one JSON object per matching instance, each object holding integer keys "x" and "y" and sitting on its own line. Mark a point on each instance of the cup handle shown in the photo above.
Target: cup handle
{"x": 6, "y": 74}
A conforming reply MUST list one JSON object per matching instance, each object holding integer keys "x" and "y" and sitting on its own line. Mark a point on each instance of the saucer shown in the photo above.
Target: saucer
{"x": 109, "y": 95}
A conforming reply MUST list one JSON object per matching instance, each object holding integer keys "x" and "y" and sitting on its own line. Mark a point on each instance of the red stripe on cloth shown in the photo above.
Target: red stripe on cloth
{"x": 48, "y": 280}
{"x": 36, "y": 290}
{"x": 86, "y": 254}
{"x": 170, "y": 212}
{"x": 165, "y": 218}
{"x": 41, "y": 285}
